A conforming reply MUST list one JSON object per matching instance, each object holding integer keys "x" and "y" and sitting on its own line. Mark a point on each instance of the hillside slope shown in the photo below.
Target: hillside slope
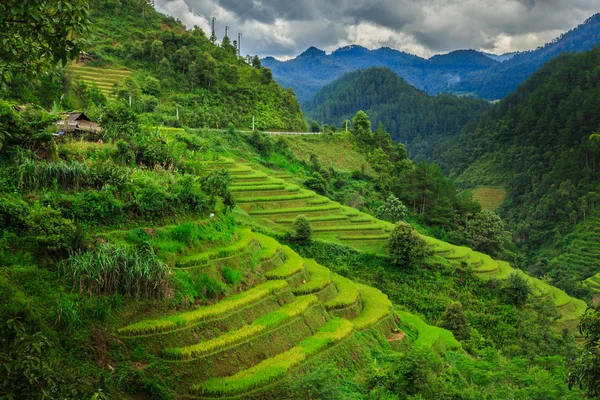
{"x": 539, "y": 143}
{"x": 463, "y": 71}
{"x": 424, "y": 124}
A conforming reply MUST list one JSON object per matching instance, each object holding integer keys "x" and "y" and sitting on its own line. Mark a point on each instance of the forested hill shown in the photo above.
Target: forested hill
{"x": 462, "y": 72}
{"x": 502, "y": 78}
{"x": 171, "y": 68}
{"x": 540, "y": 142}
{"x": 423, "y": 123}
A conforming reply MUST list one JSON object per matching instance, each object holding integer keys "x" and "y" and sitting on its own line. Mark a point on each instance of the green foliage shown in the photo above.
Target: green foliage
{"x": 33, "y": 41}
{"x": 585, "y": 372}
{"x": 488, "y": 233}
{"x": 516, "y": 289}
{"x": 317, "y": 183}
{"x": 232, "y": 276}
{"x": 27, "y": 365}
{"x": 406, "y": 246}
{"x": 117, "y": 269}
{"x": 455, "y": 320}
{"x": 50, "y": 231}
{"x": 216, "y": 185}
{"x": 393, "y": 210}
{"x": 301, "y": 229}
{"x": 361, "y": 128}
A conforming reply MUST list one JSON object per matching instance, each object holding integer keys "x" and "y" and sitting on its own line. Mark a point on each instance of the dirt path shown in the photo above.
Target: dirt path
{"x": 396, "y": 337}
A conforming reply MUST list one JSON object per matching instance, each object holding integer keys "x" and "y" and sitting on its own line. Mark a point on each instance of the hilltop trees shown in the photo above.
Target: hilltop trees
{"x": 361, "y": 128}
{"x": 301, "y": 230}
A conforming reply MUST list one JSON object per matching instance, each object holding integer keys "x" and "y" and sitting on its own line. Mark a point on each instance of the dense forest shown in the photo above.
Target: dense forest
{"x": 423, "y": 123}
{"x": 180, "y": 77}
{"x": 462, "y": 72}
{"x": 541, "y": 142}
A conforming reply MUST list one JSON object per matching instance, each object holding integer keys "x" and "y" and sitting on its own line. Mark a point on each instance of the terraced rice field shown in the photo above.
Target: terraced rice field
{"x": 490, "y": 198}
{"x": 107, "y": 80}
{"x": 256, "y": 337}
{"x": 333, "y": 222}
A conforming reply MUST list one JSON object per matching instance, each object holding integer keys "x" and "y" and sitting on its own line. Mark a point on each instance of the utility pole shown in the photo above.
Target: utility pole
{"x": 177, "y": 113}
{"x": 129, "y": 101}
{"x": 253, "y": 123}
{"x": 346, "y": 126}
{"x": 239, "y": 44}
{"x": 226, "y": 30}
{"x": 213, "y": 36}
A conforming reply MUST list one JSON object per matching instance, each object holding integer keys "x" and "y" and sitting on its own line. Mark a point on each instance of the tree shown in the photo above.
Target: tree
{"x": 157, "y": 50}
{"x": 455, "y": 320}
{"x": 267, "y": 75}
{"x": 49, "y": 229}
{"x": 516, "y": 289}
{"x": 393, "y": 210}
{"x": 39, "y": 34}
{"x": 315, "y": 127}
{"x": 183, "y": 58}
{"x": 585, "y": 372}
{"x": 317, "y": 183}
{"x": 488, "y": 233}
{"x": 406, "y": 246}
{"x": 381, "y": 163}
{"x": 256, "y": 62}
{"x": 361, "y": 128}
{"x": 301, "y": 230}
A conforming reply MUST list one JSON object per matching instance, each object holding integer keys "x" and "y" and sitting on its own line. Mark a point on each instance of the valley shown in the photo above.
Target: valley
{"x": 180, "y": 221}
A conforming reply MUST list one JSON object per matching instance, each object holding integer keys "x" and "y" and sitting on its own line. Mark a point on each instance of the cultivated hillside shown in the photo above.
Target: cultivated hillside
{"x": 462, "y": 72}
{"x": 539, "y": 143}
{"x": 421, "y": 122}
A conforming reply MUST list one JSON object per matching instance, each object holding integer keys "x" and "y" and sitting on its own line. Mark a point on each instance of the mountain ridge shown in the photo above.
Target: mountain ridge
{"x": 490, "y": 80}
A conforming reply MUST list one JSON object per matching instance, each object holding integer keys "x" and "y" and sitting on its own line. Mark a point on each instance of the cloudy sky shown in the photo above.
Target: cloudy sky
{"x": 285, "y": 28}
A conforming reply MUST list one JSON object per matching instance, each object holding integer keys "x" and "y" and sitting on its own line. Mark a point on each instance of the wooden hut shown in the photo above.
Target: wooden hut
{"x": 77, "y": 122}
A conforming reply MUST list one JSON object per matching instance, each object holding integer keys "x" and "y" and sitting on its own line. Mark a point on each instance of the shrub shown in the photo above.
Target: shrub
{"x": 209, "y": 287}
{"x": 49, "y": 229}
{"x": 393, "y": 210}
{"x": 406, "y": 246}
{"x": 13, "y": 211}
{"x": 516, "y": 289}
{"x": 317, "y": 183}
{"x": 97, "y": 207}
{"x": 302, "y": 231}
{"x": 455, "y": 320}
{"x": 263, "y": 144}
{"x": 232, "y": 276}
{"x": 125, "y": 152}
{"x": 118, "y": 120}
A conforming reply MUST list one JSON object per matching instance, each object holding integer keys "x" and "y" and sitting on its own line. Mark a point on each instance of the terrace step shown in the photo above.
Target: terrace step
{"x": 275, "y": 368}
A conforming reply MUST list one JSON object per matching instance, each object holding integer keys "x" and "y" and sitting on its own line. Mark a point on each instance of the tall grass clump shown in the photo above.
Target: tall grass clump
{"x": 68, "y": 175}
{"x": 117, "y": 269}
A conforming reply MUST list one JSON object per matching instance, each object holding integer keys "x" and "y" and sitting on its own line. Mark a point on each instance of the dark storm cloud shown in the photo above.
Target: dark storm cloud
{"x": 284, "y": 28}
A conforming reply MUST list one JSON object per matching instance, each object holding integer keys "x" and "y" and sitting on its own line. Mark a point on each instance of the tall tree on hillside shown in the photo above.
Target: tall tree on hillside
{"x": 158, "y": 51}
{"x": 585, "y": 372}
{"x": 361, "y": 128}
{"x": 39, "y": 34}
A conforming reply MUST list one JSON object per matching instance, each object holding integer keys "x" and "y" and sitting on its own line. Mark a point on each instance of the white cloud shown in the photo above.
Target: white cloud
{"x": 284, "y": 28}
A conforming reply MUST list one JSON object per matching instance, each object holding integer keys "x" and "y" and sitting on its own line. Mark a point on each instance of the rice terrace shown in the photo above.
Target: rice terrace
{"x": 193, "y": 206}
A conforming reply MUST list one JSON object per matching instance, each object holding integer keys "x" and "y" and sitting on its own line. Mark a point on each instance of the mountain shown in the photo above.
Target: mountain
{"x": 422, "y": 122}
{"x": 536, "y": 142}
{"x": 462, "y": 72}
{"x": 502, "y": 57}
{"x": 503, "y": 78}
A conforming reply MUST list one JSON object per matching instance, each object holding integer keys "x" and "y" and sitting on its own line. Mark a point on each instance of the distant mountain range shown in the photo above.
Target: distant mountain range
{"x": 466, "y": 72}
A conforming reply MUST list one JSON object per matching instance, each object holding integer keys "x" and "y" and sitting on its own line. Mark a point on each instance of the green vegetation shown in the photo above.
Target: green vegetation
{"x": 319, "y": 278}
{"x": 225, "y": 306}
{"x": 490, "y": 198}
{"x": 429, "y": 335}
{"x": 274, "y": 368}
{"x": 259, "y": 325}
{"x": 375, "y": 307}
